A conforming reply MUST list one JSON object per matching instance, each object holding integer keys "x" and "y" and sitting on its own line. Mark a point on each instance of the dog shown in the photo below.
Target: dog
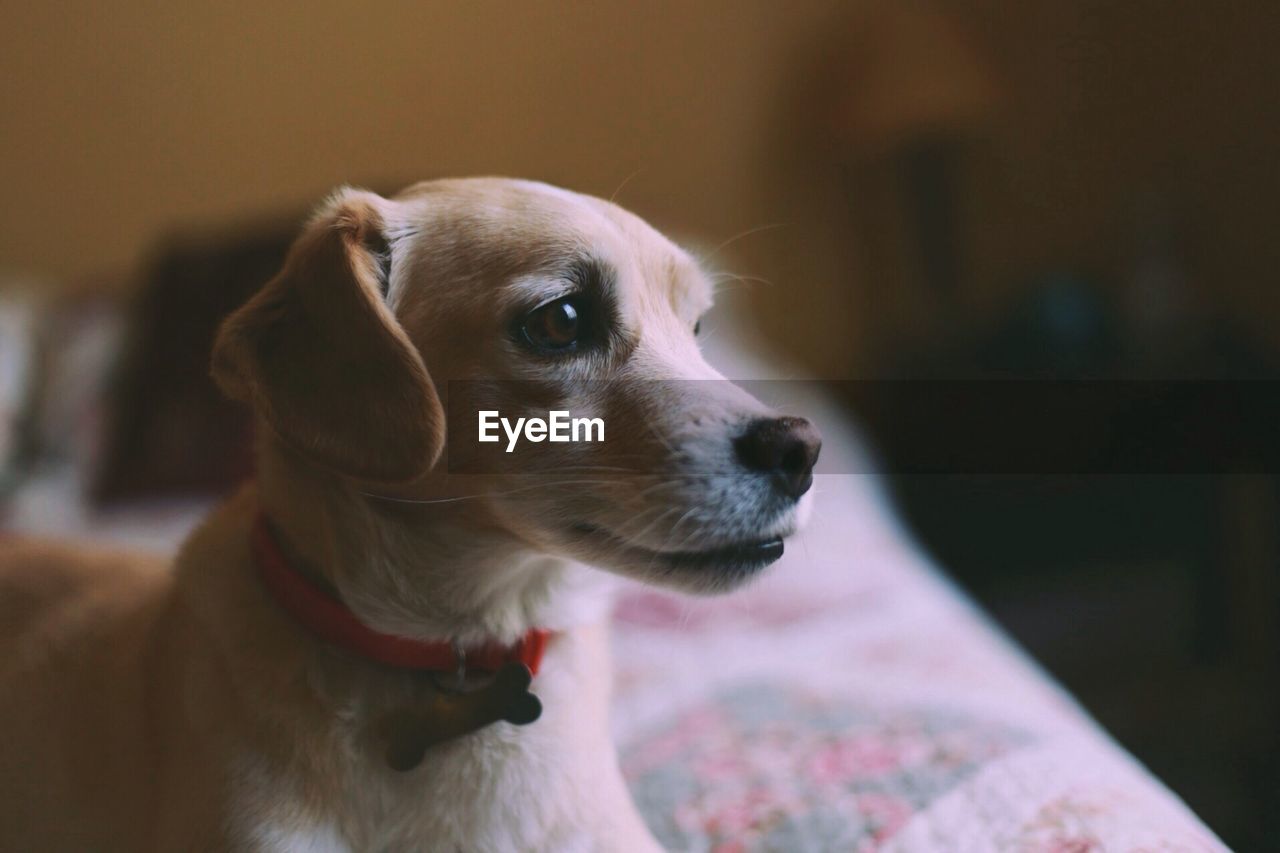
{"x": 342, "y": 656}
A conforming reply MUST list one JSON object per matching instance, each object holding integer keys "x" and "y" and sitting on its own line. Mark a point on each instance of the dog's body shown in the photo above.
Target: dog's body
{"x": 139, "y": 717}
{"x": 183, "y": 709}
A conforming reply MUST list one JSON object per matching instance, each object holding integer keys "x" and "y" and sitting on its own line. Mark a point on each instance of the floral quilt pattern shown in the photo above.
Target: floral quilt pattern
{"x": 765, "y": 767}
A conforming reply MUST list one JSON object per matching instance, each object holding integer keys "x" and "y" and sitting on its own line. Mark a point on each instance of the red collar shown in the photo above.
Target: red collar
{"x": 329, "y": 619}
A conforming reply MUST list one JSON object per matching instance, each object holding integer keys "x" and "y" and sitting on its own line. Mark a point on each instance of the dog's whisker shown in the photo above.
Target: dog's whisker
{"x": 640, "y": 496}
{"x": 399, "y": 500}
{"x": 664, "y": 513}
{"x": 608, "y": 469}
{"x": 625, "y": 181}
{"x": 741, "y": 235}
{"x": 742, "y": 279}
{"x": 687, "y": 539}
{"x": 497, "y": 494}
{"x": 730, "y": 275}
{"x": 676, "y": 527}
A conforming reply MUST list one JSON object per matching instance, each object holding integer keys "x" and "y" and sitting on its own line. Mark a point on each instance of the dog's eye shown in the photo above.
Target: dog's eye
{"x": 557, "y": 325}
{"x": 697, "y": 327}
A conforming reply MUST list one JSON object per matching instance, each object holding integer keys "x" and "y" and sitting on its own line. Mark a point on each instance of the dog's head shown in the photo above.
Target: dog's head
{"x": 574, "y": 305}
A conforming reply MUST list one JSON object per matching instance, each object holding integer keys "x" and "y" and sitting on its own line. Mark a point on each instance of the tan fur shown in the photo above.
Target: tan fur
{"x": 145, "y": 709}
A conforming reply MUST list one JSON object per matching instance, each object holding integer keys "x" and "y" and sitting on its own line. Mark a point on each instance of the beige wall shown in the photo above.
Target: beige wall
{"x": 123, "y": 119}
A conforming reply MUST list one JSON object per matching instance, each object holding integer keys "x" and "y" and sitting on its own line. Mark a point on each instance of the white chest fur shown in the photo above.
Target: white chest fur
{"x": 552, "y": 785}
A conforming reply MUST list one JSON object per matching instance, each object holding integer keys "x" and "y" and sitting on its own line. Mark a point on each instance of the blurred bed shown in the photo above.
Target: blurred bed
{"x": 851, "y": 700}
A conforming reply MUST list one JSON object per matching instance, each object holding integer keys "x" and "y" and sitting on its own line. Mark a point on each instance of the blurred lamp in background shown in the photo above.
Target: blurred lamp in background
{"x": 916, "y": 89}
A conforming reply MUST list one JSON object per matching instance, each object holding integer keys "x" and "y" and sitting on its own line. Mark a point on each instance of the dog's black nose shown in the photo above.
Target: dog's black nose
{"x": 784, "y": 447}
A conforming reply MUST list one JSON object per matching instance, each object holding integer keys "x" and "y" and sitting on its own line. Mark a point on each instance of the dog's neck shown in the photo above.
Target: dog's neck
{"x": 426, "y": 571}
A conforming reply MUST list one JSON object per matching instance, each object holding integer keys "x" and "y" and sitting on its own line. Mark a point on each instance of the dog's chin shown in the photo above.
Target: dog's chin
{"x": 716, "y": 569}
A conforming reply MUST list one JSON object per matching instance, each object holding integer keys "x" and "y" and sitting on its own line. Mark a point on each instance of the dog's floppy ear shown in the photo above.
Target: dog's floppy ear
{"x": 321, "y": 357}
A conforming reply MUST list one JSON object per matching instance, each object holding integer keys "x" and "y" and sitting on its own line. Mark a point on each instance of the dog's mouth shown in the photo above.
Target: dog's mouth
{"x": 739, "y": 558}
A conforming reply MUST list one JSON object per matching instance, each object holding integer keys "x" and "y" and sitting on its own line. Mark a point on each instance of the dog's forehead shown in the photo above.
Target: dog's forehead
{"x": 513, "y": 227}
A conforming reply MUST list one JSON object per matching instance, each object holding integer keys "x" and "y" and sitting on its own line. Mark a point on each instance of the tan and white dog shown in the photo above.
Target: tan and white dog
{"x": 150, "y": 707}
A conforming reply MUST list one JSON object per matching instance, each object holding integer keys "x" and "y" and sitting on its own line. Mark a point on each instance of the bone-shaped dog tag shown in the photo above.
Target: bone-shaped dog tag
{"x": 410, "y": 732}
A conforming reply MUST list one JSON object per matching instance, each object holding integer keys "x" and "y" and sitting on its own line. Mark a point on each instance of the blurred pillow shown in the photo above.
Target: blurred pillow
{"x": 169, "y": 431}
